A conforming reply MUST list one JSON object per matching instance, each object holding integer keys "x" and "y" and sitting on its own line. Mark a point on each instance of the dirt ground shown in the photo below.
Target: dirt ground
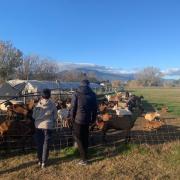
{"x": 169, "y": 131}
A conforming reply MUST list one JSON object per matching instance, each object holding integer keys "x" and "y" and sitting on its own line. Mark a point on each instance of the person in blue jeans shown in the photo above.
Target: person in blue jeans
{"x": 45, "y": 115}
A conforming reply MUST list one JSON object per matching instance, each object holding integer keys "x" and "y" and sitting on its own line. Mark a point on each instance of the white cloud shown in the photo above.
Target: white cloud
{"x": 173, "y": 73}
{"x": 105, "y": 69}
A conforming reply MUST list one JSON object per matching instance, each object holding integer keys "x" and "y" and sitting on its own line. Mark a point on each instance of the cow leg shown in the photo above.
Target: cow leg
{"x": 127, "y": 136}
{"x": 92, "y": 126}
{"x": 22, "y": 143}
{"x": 104, "y": 137}
{"x": 91, "y": 138}
{"x": 104, "y": 130}
{"x": 6, "y": 145}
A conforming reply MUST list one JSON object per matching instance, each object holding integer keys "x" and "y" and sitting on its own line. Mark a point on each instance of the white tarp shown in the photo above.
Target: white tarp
{"x": 36, "y": 86}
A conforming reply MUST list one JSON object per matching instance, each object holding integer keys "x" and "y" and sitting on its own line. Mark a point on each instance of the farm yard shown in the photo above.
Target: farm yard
{"x": 90, "y": 90}
{"x": 151, "y": 154}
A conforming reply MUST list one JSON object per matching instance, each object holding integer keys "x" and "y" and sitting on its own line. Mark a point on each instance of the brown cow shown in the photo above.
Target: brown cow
{"x": 151, "y": 125}
{"x": 19, "y": 131}
{"x": 19, "y": 109}
{"x": 15, "y": 127}
{"x": 125, "y": 123}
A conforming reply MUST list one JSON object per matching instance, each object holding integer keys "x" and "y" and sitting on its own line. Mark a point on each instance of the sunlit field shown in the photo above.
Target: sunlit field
{"x": 161, "y": 97}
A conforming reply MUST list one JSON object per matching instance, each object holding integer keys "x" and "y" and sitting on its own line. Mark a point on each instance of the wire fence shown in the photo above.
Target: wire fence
{"x": 62, "y": 137}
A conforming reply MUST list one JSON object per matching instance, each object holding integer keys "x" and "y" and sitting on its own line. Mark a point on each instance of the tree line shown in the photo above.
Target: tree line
{"x": 15, "y": 65}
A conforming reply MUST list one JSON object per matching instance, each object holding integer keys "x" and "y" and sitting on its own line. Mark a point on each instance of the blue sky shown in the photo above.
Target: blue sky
{"x": 124, "y": 34}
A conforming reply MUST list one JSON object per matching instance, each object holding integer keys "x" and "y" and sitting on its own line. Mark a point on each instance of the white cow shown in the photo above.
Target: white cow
{"x": 121, "y": 112}
{"x": 63, "y": 115}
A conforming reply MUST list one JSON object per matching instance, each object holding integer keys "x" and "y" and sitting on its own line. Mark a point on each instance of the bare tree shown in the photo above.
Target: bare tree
{"x": 116, "y": 83}
{"x": 149, "y": 76}
{"x": 29, "y": 67}
{"x": 133, "y": 84}
{"x": 34, "y": 67}
{"x": 46, "y": 70}
{"x": 10, "y": 60}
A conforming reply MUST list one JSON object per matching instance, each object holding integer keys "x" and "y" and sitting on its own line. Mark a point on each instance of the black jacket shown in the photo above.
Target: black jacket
{"x": 84, "y": 106}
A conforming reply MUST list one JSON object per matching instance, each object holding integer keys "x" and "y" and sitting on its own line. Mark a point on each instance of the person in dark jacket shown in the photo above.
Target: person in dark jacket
{"x": 83, "y": 113}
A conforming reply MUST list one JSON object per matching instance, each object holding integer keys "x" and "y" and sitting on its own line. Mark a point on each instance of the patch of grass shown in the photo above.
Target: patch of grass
{"x": 143, "y": 150}
{"x": 125, "y": 162}
{"x": 156, "y": 98}
{"x": 173, "y": 157}
{"x": 158, "y": 106}
{"x": 112, "y": 150}
{"x": 69, "y": 152}
{"x": 126, "y": 148}
{"x": 96, "y": 151}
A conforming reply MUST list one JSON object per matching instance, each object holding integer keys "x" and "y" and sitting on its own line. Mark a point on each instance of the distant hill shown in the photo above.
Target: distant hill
{"x": 109, "y": 76}
{"x": 102, "y": 75}
{"x": 108, "y": 73}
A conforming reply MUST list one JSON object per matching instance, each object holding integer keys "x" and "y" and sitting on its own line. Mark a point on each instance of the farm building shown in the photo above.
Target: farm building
{"x": 15, "y": 88}
{"x": 7, "y": 90}
{"x": 33, "y": 86}
{"x": 19, "y": 87}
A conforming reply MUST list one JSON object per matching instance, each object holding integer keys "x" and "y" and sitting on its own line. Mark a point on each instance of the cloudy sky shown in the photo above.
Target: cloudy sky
{"x": 118, "y": 35}
{"x": 171, "y": 73}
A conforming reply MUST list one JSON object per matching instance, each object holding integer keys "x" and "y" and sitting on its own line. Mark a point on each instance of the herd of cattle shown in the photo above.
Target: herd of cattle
{"x": 118, "y": 111}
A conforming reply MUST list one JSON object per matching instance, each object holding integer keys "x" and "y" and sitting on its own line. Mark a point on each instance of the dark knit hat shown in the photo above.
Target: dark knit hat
{"x": 46, "y": 93}
{"x": 84, "y": 82}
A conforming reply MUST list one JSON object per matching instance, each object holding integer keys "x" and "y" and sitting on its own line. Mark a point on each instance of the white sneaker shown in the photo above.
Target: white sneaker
{"x": 43, "y": 165}
{"x": 84, "y": 163}
{"x": 39, "y": 163}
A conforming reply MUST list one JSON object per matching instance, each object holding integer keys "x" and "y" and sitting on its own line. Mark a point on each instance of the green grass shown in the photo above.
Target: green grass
{"x": 69, "y": 151}
{"x": 159, "y": 97}
{"x": 173, "y": 156}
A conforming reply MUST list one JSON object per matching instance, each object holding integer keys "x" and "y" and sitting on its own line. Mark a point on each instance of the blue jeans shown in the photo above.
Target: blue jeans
{"x": 42, "y": 138}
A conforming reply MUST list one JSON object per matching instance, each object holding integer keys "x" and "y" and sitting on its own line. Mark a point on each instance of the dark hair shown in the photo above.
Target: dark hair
{"x": 84, "y": 82}
{"x": 63, "y": 105}
{"x": 46, "y": 93}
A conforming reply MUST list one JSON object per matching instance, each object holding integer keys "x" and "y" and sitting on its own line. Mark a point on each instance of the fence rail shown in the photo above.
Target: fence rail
{"x": 62, "y": 138}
